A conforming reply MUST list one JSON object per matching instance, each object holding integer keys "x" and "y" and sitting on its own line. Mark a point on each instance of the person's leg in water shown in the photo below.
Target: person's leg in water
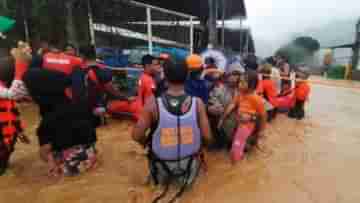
{"x": 4, "y": 158}
{"x": 271, "y": 114}
{"x": 297, "y": 112}
{"x": 300, "y": 112}
{"x": 219, "y": 134}
{"x": 5, "y": 154}
{"x": 252, "y": 141}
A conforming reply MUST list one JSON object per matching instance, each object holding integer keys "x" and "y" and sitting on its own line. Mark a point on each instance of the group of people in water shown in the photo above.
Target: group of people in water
{"x": 180, "y": 107}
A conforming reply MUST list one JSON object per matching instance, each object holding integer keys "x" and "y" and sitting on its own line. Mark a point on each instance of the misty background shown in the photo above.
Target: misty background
{"x": 274, "y": 23}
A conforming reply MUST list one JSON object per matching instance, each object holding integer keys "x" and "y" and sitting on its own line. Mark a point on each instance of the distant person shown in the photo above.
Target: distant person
{"x": 195, "y": 85}
{"x": 161, "y": 84}
{"x": 270, "y": 92}
{"x": 283, "y": 64}
{"x": 251, "y": 62}
{"x": 174, "y": 111}
{"x": 302, "y": 92}
{"x": 146, "y": 89}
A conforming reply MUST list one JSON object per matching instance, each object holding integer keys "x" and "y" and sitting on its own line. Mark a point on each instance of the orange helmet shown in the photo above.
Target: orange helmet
{"x": 194, "y": 62}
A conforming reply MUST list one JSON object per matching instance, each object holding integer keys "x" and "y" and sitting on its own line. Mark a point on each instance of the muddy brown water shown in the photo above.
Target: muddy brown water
{"x": 311, "y": 161}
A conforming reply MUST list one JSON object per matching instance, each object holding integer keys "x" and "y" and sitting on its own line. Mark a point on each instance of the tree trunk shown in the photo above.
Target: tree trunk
{"x": 5, "y": 4}
{"x": 70, "y": 26}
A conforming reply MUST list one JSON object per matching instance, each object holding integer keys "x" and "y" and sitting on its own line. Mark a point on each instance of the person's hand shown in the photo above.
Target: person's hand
{"x": 24, "y": 139}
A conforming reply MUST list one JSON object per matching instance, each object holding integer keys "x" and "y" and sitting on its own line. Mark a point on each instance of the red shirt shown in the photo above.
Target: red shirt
{"x": 20, "y": 68}
{"x": 250, "y": 104}
{"x": 146, "y": 88}
{"x": 61, "y": 62}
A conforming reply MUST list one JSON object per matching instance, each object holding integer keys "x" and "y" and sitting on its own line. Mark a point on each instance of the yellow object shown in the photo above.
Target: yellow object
{"x": 348, "y": 71}
{"x": 328, "y": 58}
{"x": 194, "y": 62}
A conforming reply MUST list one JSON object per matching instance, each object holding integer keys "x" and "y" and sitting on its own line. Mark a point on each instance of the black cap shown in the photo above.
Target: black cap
{"x": 147, "y": 59}
{"x": 175, "y": 73}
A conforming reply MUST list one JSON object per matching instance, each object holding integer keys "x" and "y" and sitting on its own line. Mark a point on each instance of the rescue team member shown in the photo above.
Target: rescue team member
{"x": 179, "y": 126}
{"x": 146, "y": 89}
{"x": 195, "y": 85}
{"x": 99, "y": 83}
{"x": 302, "y": 92}
{"x": 161, "y": 85}
{"x": 67, "y": 132}
{"x": 59, "y": 61}
{"x": 269, "y": 91}
{"x": 11, "y": 127}
{"x": 251, "y": 115}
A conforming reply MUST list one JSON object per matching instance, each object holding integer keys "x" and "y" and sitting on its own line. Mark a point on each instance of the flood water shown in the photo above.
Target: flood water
{"x": 311, "y": 161}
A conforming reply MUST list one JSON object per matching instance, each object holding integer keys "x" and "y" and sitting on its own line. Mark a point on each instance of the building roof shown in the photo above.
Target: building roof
{"x": 199, "y": 8}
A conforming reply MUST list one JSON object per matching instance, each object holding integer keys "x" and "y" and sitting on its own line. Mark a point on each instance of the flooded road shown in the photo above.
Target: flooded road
{"x": 310, "y": 161}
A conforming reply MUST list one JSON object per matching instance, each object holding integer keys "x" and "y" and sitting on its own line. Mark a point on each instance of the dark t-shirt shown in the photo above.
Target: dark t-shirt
{"x": 65, "y": 127}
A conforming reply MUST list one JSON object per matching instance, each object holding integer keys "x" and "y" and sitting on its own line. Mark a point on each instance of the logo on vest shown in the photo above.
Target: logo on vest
{"x": 169, "y": 136}
{"x": 58, "y": 61}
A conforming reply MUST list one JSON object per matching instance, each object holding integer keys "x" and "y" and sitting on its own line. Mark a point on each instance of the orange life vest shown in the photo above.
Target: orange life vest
{"x": 10, "y": 124}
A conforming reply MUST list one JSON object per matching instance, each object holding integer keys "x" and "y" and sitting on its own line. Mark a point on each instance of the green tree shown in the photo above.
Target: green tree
{"x": 300, "y": 50}
{"x": 308, "y": 43}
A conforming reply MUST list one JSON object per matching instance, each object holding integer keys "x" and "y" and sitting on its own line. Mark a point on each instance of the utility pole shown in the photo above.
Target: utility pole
{"x": 212, "y": 23}
{"x": 26, "y": 25}
{"x": 91, "y": 24}
{"x": 223, "y": 23}
{"x": 356, "y": 48}
{"x": 5, "y": 4}
{"x": 70, "y": 27}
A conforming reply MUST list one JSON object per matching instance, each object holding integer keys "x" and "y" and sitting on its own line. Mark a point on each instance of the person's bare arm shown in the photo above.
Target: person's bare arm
{"x": 203, "y": 122}
{"x": 144, "y": 123}
{"x": 228, "y": 110}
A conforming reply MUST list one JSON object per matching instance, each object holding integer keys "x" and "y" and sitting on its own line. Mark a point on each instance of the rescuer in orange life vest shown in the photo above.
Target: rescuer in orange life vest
{"x": 11, "y": 127}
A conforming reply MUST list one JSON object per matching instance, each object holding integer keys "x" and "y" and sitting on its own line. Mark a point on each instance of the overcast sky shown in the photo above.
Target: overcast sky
{"x": 275, "y": 20}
